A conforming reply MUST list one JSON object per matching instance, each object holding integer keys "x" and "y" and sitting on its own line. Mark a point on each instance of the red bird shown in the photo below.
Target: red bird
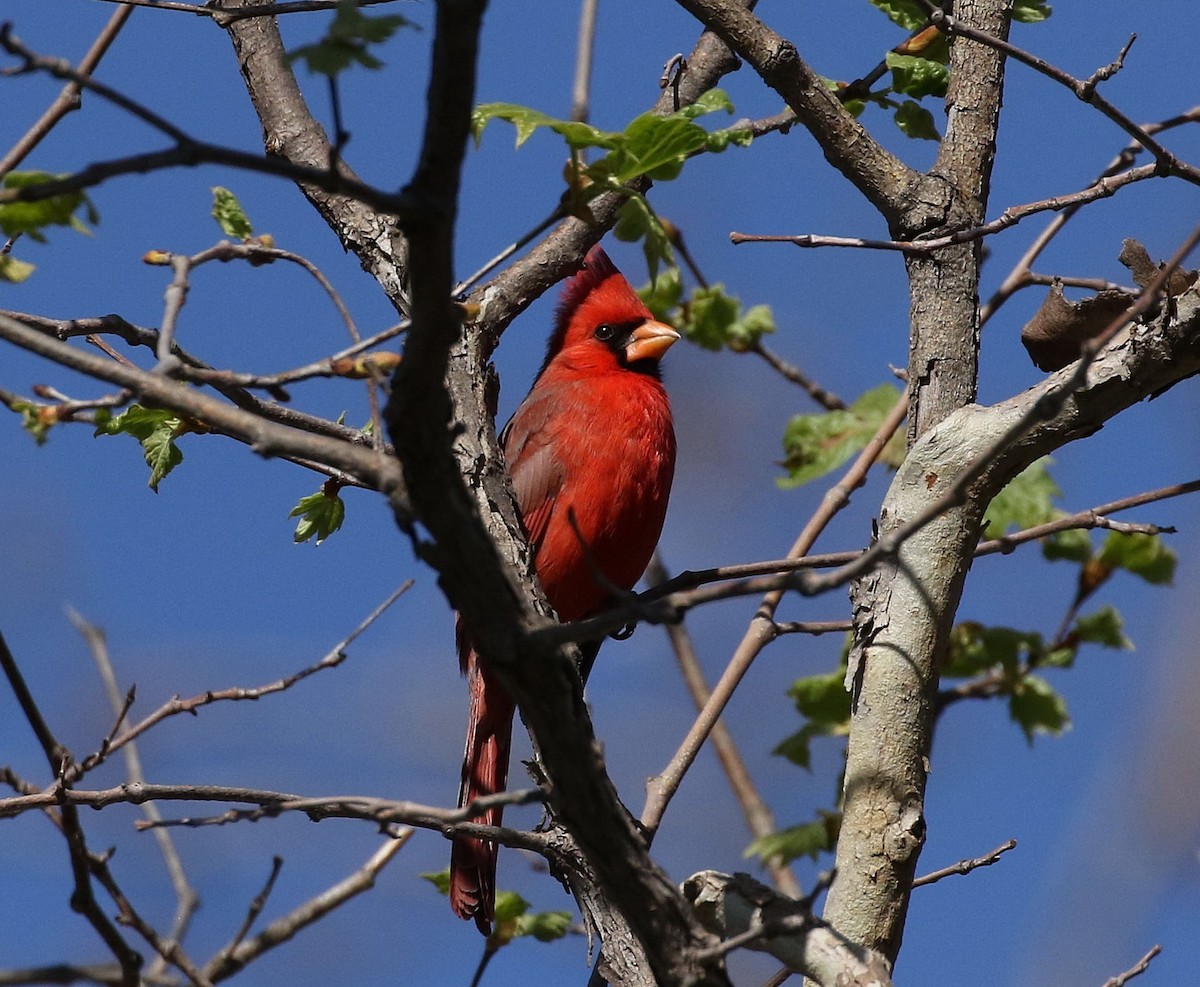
{"x": 591, "y": 451}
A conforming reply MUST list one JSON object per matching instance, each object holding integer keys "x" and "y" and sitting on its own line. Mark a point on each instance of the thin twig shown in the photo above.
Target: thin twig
{"x": 83, "y": 898}
{"x": 224, "y": 964}
{"x": 68, "y": 99}
{"x": 965, "y": 866}
{"x": 186, "y": 899}
{"x": 1102, "y": 188}
{"x": 584, "y": 52}
{"x": 825, "y": 398}
{"x": 1140, "y": 967}
{"x": 762, "y": 628}
{"x": 176, "y": 705}
{"x": 759, "y": 818}
{"x": 257, "y": 904}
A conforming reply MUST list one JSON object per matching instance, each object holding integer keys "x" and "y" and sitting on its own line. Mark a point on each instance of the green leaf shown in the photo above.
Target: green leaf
{"x": 917, "y": 122}
{"x": 1104, "y": 627}
{"x": 652, "y": 145}
{"x": 156, "y": 429}
{"x": 713, "y": 319}
{"x": 916, "y": 76}
{"x": 825, "y": 703}
{"x": 975, "y": 648}
{"x": 711, "y": 315}
{"x": 908, "y": 14}
{"x": 230, "y": 216}
{"x": 664, "y": 294}
{"x": 320, "y": 514}
{"x": 31, "y": 218}
{"x": 439, "y": 879}
{"x": 509, "y": 906}
{"x": 1037, "y": 708}
{"x": 34, "y": 420}
{"x": 814, "y": 444}
{"x": 13, "y": 270}
{"x": 1146, "y": 556}
{"x": 806, "y": 840}
{"x": 347, "y": 40}
{"x": 544, "y": 926}
{"x": 823, "y": 698}
{"x": 1031, "y": 11}
{"x": 636, "y": 220}
{"x": 526, "y": 121}
{"x": 1073, "y": 545}
{"x": 1025, "y": 502}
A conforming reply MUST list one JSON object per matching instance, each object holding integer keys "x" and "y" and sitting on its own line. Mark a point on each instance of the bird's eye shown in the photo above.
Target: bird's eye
{"x": 606, "y": 332}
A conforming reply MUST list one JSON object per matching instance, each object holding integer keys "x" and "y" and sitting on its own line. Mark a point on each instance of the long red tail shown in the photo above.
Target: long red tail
{"x": 484, "y": 772}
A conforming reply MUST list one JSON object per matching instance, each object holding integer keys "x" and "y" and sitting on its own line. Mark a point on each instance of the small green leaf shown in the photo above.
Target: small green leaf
{"x": 347, "y": 40}
{"x": 526, "y": 121}
{"x": 13, "y": 270}
{"x": 1031, "y": 11}
{"x": 31, "y": 218}
{"x": 1104, "y": 627}
{"x": 439, "y": 879}
{"x": 825, "y": 703}
{"x": 1143, "y": 555}
{"x": 975, "y": 648}
{"x": 806, "y": 840}
{"x": 796, "y": 747}
{"x": 509, "y": 906}
{"x": 34, "y": 420}
{"x": 1073, "y": 545}
{"x": 230, "y": 215}
{"x": 917, "y": 122}
{"x": 815, "y": 444}
{"x": 544, "y": 926}
{"x": 823, "y": 698}
{"x": 908, "y": 14}
{"x": 664, "y": 294}
{"x": 1037, "y": 708}
{"x": 711, "y": 314}
{"x": 156, "y": 429}
{"x": 714, "y": 319}
{"x": 916, "y": 76}
{"x": 636, "y": 220}
{"x": 320, "y": 514}
{"x": 1025, "y": 502}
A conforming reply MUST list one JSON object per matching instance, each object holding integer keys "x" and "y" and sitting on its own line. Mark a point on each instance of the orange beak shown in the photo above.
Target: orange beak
{"x": 650, "y": 341}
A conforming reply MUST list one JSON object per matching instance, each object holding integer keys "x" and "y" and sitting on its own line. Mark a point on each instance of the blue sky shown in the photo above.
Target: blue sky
{"x": 201, "y": 587}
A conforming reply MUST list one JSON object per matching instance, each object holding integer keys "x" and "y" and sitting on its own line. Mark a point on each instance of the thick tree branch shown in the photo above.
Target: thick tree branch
{"x": 904, "y": 609}
{"x": 880, "y": 176}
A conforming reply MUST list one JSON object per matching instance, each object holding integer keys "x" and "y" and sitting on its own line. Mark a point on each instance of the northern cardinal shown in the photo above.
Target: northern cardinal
{"x": 591, "y": 451}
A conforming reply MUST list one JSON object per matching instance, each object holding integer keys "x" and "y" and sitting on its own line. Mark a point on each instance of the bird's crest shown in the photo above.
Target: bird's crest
{"x": 596, "y": 271}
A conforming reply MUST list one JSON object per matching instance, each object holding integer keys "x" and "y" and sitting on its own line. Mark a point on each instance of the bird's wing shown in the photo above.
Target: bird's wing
{"x": 536, "y": 470}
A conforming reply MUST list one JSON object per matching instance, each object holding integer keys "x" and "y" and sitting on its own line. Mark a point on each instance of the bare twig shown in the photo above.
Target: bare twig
{"x": 1102, "y": 188}
{"x": 584, "y": 51}
{"x": 224, "y": 16}
{"x": 83, "y": 898}
{"x": 186, "y": 899}
{"x": 266, "y": 437}
{"x": 227, "y": 963}
{"x": 759, "y": 818}
{"x": 966, "y": 866}
{"x": 68, "y": 99}
{"x": 176, "y": 705}
{"x": 825, "y": 398}
{"x": 762, "y": 628}
{"x": 1085, "y": 89}
{"x": 1136, "y": 970}
{"x": 257, "y": 904}
{"x": 1021, "y": 275}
